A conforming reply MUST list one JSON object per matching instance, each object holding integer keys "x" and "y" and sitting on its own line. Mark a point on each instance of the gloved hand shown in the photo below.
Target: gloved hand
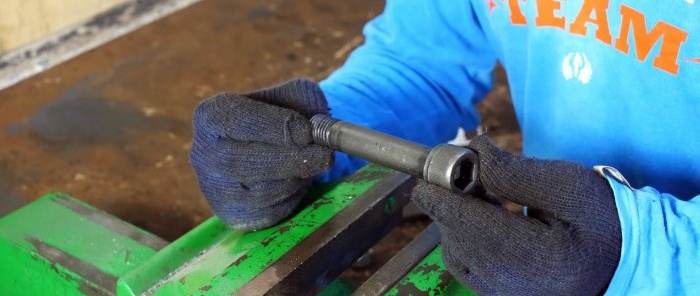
{"x": 568, "y": 244}
{"x": 253, "y": 154}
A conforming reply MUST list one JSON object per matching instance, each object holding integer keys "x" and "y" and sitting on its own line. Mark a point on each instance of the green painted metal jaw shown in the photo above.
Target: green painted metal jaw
{"x": 429, "y": 277}
{"x": 59, "y": 246}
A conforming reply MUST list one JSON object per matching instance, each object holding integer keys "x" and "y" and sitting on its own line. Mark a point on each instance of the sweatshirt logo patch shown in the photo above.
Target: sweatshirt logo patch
{"x": 636, "y": 37}
{"x": 576, "y": 65}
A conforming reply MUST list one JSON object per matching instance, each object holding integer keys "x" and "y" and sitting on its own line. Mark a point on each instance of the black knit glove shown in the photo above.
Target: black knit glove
{"x": 253, "y": 153}
{"x": 568, "y": 244}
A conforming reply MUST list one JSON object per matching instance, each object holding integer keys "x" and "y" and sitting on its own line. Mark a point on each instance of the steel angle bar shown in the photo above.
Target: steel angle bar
{"x": 333, "y": 247}
{"x": 430, "y": 277}
{"x": 57, "y": 245}
{"x": 394, "y": 270}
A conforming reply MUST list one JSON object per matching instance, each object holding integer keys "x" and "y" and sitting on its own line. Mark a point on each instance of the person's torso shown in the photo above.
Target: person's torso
{"x": 605, "y": 82}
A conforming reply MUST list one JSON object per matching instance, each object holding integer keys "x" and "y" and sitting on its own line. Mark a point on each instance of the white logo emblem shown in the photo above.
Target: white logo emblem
{"x": 576, "y": 65}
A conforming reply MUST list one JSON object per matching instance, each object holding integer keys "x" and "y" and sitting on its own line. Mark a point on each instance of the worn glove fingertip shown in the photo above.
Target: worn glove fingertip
{"x": 298, "y": 130}
{"x": 202, "y": 119}
{"x": 247, "y": 218}
{"x": 310, "y": 89}
{"x": 300, "y": 94}
{"x": 486, "y": 149}
{"x": 316, "y": 159}
{"x": 436, "y": 202}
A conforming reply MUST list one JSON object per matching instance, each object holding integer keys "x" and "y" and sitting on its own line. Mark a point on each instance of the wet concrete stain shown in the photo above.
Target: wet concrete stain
{"x": 77, "y": 117}
{"x": 14, "y": 129}
{"x": 83, "y": 115}
{"x": 9, "y": 200}
{"x": 259, "y": 13}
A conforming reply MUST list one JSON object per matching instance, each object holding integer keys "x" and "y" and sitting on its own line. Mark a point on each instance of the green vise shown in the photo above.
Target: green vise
{"x": 60, "y": 246}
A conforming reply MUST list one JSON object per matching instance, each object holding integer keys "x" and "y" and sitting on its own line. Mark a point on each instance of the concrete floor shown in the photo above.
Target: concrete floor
{"x": 113, "y": 126}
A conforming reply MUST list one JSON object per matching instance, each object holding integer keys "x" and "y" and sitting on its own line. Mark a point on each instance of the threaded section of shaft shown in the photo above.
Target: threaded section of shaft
{"x": 321, "y": 129}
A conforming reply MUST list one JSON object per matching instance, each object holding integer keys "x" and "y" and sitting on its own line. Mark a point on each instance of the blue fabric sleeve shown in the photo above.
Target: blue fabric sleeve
{"x": 423, "y": 66}
{"x": 660, "y": 243}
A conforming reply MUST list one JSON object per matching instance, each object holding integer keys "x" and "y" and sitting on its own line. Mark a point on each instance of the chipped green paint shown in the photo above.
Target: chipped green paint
{"x": 163, "y": 266}
{"x": 60, "y": 246}
{"x": 213, "y": 259}
{"x": 295, "y": 230}
{"x": 429, "y": 277}
{"x": 57, "y": 245}
{"x": 195, "y": 275}
{"x": 24, "y": 272}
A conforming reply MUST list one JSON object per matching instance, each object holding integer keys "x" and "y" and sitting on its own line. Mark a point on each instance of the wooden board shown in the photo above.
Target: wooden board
{"x": 23, "y": 21}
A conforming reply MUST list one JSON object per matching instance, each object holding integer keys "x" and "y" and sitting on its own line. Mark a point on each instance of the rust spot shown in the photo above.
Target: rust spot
{"x": 238, "y": 262}
{"x": 409, "y": 289}
{"x": 182, "y": 280}
{"x": 267, "y": 241}
{"x": 424, "y": 269}
{"x": 83, "y": 116}
{"x": 445, "y": 278}
{"x": 321, "y": 202}
{"x": 205, "y": 288}
{"x": 259, "y": 13}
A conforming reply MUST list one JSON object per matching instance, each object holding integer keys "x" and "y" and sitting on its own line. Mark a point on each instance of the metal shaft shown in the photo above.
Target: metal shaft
{"x": 449, "y": 166}
{"x": 370, "y": 145}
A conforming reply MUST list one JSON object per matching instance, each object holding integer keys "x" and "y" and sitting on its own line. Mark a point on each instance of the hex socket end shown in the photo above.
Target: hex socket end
{"x": 452, "y": 167}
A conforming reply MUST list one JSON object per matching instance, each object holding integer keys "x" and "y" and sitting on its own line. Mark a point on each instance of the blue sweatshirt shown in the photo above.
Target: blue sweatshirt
{"x": 592, "y": 81}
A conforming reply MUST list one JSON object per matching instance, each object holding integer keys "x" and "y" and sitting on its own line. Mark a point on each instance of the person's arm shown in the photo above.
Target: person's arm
{"x": 660, "y": 241}
{"x": 422, "y": 68}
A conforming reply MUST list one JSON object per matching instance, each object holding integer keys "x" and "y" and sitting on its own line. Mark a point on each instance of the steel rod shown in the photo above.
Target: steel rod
{"x": 383, "y": 149}
{"x": 449, "y": 166}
